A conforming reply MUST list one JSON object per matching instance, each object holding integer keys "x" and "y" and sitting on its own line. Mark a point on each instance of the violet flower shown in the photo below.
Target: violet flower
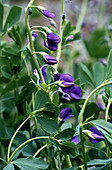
{"x": 52, "y": 41}
{"x": 69, "y": 89}
{"x": 99, "y": 105}
{"x": 74, "y": 92}
{"x": 50, "y": 60}
{"x": 95, "y": 135}
{"x": 43, "y": 72}
{"x": 48, "y": 14}
{"x": 75, "y": 139}
{"x": 65, "y": 113}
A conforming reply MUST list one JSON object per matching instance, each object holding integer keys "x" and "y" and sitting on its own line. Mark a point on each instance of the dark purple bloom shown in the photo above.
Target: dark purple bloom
{"x": 50, "y": 60}
{"x": 65, "y": 80}
{"x": 96, "y": 135}
{"x": 44, "y": 72}
{"x": 75, "y": 139}
{"x": 69, "y": 89}
{"x": 52, "y": 41}
{"x": 51, "y": 46}
{"x": 47, "y": 13}
{"x": 29, "y": 11}
{"x": 74, "y": 92}
{"x": 65, "y": 113}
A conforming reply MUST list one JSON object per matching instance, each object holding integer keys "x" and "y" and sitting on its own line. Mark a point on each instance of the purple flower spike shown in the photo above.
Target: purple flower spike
{"x": 75, "y": 139}
{"x": 65, "y": 113}
{"x": 50, "y": 60}
{"x": 96, "y": 135}
{"x": 52, "y": 41}
{"x": 47, "y": 13}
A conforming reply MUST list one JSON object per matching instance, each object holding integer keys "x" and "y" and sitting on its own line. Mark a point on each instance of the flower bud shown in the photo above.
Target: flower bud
{"x": 29, "y": 11}
{"x": 45, "y": 12}
{"x": 50, "y": 60}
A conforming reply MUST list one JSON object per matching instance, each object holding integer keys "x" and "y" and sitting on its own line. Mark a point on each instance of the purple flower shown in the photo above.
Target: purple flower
{"x": 52, "y": 41}
{"x": 35, "y": 72}
{"x": 69, "y": 89}
{"x": 74, "y": 92}
{"x": 75, "y": 139}
{"x": 50, "y": 60}
{"x": 96, "y": 136}
{"x": 65, "y": 80}
{"x": 47, "y": 13}
{"x": 65, "y": 113}
{"x": 44, "y": 72}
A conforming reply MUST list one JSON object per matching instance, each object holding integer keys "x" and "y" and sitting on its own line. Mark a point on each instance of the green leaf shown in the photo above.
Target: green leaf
{"x": 13, "y": 17}
{"x": 99, "y": 73}
{"x": 69, "y": 148}
{"x": 8, "y": 51}
{"x": 50, "y": 110}
{"x": 109, "y": 66}
{"x": 91, "y": 110}
{"x": 107, "y": 126}
{"x": 1, "y": 16}
{"x": 87, "y": 72}
{"x": 40, "y": 99}
{"x": 3, "y": 132}
{"x": 6, "y": 72}
{"x": 10, "y": 166}
{"x": 99, "y": 162}
{"x": 31, "y": 163}
{"x": 65, "y": 134}
{"x": 49, "y": 125}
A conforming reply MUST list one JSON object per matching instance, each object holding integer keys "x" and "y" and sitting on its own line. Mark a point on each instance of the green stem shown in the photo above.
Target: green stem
{"x": 86, "y": 101}
{"x": 39, "y": 150}
{"x": 107, "y": 110}
{"x": 9, "y": 148}
{"x": 61, "y": 31}
{"x": 34, "y": 118}
{"x": 82, "y": 15}
{"x": 83, "y": 148}
{"x": 68, "y": 161}
{"x": 41, "y": 137}
{"x": 106, "y": 119}
{"x": 31, "y": 44}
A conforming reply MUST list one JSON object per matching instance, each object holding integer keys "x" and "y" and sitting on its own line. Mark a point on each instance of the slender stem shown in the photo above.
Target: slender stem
{"x": 107, "y": 110}
{"x": 83, "y": 148}
{"x": 41, "y": 137}
{"x": 61, "y": 31}
{"x": 68, "y": 161}
{"x": 39, "y": 150}
{"x": 34, "y": 118}
{"x": 9, "y": 148}
{"x": 82, "y": 15}
{"x": 106, "y": 119}
{"x": 86, "y": 101}
{"x": 31, "y": 44}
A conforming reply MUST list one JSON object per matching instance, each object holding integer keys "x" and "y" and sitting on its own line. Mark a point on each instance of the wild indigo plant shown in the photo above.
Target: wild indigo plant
{"x": 63, "y": 126}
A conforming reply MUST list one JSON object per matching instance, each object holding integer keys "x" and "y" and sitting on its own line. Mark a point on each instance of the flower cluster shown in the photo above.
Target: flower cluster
{"x": 67, "y": 86}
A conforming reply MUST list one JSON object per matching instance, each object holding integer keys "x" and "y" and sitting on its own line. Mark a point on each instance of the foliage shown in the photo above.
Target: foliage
{"x": 47, "y": 118}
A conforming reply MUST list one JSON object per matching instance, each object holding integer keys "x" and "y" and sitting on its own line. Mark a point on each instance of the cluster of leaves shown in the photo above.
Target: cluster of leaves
{"x": 20, "y": 98}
